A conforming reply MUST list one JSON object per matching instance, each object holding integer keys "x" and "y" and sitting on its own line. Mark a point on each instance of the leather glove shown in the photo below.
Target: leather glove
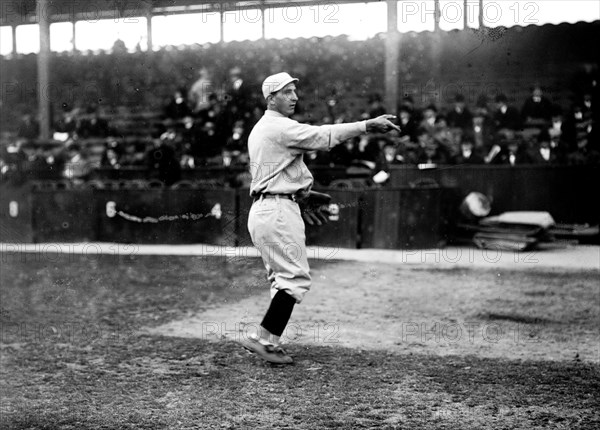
{"x": 314, "y": 207}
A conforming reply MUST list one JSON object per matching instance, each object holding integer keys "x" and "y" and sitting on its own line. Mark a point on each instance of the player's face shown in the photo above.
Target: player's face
{"x": 284, "y": 100}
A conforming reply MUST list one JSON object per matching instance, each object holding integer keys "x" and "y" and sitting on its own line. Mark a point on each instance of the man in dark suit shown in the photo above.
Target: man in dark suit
{"x": 459, "y": 116}
{"x": 408, "y": 125}
{"x": 239, "y": 97}
{"x": 512, "y": 154}
{"x": 506, "y": 116}
{"x": 544, "y": 153}
{"x": 537, "y": 109}
{"x": 468, "y": 154}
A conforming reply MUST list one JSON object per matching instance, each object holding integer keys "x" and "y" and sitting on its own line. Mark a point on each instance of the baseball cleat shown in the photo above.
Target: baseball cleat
{"x": 268, "y": 352}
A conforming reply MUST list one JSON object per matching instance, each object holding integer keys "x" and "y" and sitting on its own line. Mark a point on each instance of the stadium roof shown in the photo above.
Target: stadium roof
{"x": 18, "y": 12}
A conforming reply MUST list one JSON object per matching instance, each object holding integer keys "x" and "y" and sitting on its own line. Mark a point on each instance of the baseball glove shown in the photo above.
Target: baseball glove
{"x": 314, "y": 207}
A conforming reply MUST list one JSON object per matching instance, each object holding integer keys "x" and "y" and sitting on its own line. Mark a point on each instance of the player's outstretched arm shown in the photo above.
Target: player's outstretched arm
{"x": 381, "y": 124}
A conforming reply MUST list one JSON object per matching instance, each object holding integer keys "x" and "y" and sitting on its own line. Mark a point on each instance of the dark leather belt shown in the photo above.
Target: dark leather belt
{"x": 272, "y": 196}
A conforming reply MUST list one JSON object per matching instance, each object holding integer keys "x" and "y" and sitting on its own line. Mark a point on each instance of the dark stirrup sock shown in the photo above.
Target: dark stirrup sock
{"x": 279, "y": 313}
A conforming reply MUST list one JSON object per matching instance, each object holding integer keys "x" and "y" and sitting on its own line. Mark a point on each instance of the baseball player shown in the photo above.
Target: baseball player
{"x": 280, "y": 183}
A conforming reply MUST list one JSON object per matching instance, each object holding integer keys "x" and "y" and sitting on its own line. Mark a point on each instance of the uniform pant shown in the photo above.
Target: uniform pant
{"x": 277, "y": 230}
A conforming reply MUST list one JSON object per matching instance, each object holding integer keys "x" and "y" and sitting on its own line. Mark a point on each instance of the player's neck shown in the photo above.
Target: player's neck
{"x": 275, "y": 112}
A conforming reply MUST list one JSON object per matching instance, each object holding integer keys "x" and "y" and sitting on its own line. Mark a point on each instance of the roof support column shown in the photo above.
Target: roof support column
{"x": 43, "y": 69}
{"x": 14, "y": 39}
{"x": 391, "y": 58}
{"x": 149, "y": 29}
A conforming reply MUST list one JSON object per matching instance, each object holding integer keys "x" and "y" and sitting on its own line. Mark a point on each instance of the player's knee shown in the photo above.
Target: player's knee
{"x": 297, "y": 291}
{"x": 299, "y": 295}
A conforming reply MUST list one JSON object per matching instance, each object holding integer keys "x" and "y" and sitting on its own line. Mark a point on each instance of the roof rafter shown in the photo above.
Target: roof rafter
{"x": 18, "y": 12}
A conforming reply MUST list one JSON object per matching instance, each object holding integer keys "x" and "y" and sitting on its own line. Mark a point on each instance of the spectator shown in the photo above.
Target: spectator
{"x": 388, "y": 157}
{"x": 481, "y": 130}
{"x": 28, "y": 128}
{"x": 13, "y": 159}
{"x": 201, "y": 90}
{"x": 257, "y": 113}
{"x": 432, "y": 154}
{"x": 544, "y": 153}
{"x": 43, "y": 162}
{"x": 211, "y": 111}
{"x": 92, "y": 125}
{"x": 209, "y": 146}
{"x": 162, "y": 161}
{"x": 429, "y": 151}
{"x": 76, "y": 167}
{"x": 482, "y": 107}
{"x": 506, "y": 116}
{"x": 239, "y": 97}
{"x": 429, "y": 118}
{"x": 215, "y": 114}
{"x": 409, "y": 104}
{"x": 586, "y": 105}
{"x": 591, "y": 115}
{"x": 558, "y": 136}
{"x": 408, "y": 126}
{"x": 132, "y": 155}
{"x": 318, "y": 158}
{"x": 177, "y": 108}
{"x": 190, "y": 134}
{"x": 119, "y": 47}
{"x": 459, "y": 116}
{"x": 111, "y": 156}
{"x": 187, "y": 158}
{"x": 468, "y": 154}
{"x": 583, "y": 154}
{"x": 67, "y": 123}
{"x": 556, "y": 128}
{"x": 235, "y": 151}
{"x": 577, "y": 126}
{"x": 343, "y": 154}
{"x": 513, "y": 154}
{"x": 537, "y": 109}
{"x": 443, "y": 135}
{"x": 376, "y": 107}
{"x": 366, "y": 151}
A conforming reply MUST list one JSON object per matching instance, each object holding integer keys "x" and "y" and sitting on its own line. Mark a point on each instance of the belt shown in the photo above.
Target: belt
{"x": 291, "y": 197}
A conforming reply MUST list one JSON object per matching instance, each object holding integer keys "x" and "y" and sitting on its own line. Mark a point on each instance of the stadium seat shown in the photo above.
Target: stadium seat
{"x": 50, "y": 185}
{"x": 212, "y": 184}
{"x": 342, "y": 184}
{"x": 183, "y": 185}
{"x": 155, "y": 184}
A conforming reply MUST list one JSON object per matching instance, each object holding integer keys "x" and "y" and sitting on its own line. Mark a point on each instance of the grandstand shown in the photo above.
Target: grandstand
{"x": 142, "y": 82}
{"x": 109, "y": 111}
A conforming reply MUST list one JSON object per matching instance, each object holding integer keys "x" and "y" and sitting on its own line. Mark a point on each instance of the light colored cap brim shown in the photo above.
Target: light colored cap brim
{"x": 270, "y": 90}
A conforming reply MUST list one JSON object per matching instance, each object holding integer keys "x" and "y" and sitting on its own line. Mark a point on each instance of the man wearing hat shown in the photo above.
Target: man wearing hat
{"x": 276, "y": 146}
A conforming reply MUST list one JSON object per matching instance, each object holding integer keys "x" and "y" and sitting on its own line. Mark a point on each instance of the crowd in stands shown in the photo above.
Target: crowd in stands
{"x": 203, "y": 115}
{"x": 213, "y": 132}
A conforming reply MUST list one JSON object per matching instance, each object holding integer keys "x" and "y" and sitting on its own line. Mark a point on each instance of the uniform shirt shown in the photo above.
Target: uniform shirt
{"x": 276, "y": 146}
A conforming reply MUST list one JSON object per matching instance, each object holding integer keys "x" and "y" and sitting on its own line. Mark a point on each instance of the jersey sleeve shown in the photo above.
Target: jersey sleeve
{"x": 304, "y": 137}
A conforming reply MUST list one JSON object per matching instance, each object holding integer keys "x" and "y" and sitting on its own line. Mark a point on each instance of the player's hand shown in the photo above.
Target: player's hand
{"x": 316, "y": 216}
{"x": 382, "y": 124}
{"x": 314, "y": 207}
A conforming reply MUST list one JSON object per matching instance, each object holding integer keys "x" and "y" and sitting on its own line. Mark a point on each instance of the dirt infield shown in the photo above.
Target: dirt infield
{"x": 381, "y": 345}
{"x": 486, "y": 313}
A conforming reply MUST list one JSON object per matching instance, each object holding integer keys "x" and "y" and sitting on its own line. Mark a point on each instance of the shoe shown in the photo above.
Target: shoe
{"x": 268, "y": 352}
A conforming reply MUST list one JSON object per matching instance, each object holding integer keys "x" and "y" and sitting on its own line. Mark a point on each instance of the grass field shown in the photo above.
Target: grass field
{"x": 97, "y": 342}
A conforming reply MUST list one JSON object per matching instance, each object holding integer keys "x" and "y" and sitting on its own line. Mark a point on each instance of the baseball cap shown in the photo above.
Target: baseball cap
{"x": 276, "y": 82}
